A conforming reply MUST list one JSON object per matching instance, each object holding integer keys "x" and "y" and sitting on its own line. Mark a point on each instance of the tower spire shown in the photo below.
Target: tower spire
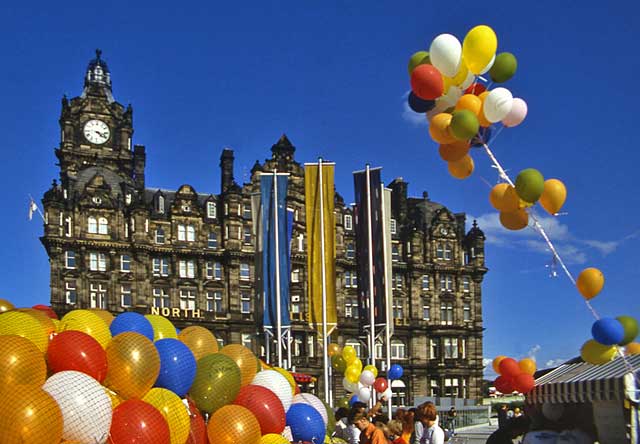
{"x": 97, "y": 79}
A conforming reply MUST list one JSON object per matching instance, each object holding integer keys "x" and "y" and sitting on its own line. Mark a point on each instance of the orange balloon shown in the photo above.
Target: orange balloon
{"x": 452, "y": 152}
{"x": 133, "y": 365}
{"x": 481, "y": 117}
{"x": 233, "y": 424}
{"x": 632, "y": 348}
{"x": 6, "y": 306}
{"x": 496, "y": 363}
{"x": 244, "y": 358}
{"x": 29, "y": 415}
{"x": 21, "y": 362}
{"x": 527, "y": 365}
{"x": 503, "y": 197}
{"x": 553, "y": 196}
{"x": 461, "y": 169}
{"x": 200, "y": 341}
{"x": 514, "y": 220}
{"x": 334, "y": 349}
{"x": 470, "y": 102}
{"x": 590, "y": 282}
{"x": 439, "y": 128}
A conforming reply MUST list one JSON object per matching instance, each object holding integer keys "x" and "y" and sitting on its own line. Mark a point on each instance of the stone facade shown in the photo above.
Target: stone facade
{"x": 114, "y": 243}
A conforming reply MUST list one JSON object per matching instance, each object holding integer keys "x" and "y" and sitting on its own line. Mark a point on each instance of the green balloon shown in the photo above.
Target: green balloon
{"x": 529, "y": 185}
{"x": 217, "y": 382}
{"x": 630, "y": 326}
{"x": 338, "y": 363}
{"x": 464, "y": 124}
{"x": 504, "y": 67}
{"x": 419, "y": 58}
{"x": 343, "y": 402}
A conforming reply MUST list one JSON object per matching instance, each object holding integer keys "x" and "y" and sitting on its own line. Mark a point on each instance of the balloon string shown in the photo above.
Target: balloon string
{"x": 538, "y": 227}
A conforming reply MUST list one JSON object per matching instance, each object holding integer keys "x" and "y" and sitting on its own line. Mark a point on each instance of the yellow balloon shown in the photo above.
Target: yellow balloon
{"x": 590, "y": 282}
{"x": 103, "y": 314}
{"x": 463, "y": 168}
{"x": 458, "y": 79}
{"x": 173, "y": 410}
{"x": 479, "y": 47}
{"x": 527, "y": 365}
{"x": 25, "y": 325}
{"x": 21, "y": 362}
{"x": 352, "y": 374}
{"x": 357, "y": 363}
{"x": 496, "y": 363}
{"x": 595, "y": 353}
{"x": 244, "y": 359}
{"x": 632, "y": 348}
{"x": 503, "y": 197}
{"x": 289, "y": 376}
{"x": 439, "y": 129}
{"x": 272, "y": 438}
{"x": 6, "y": 306}
{"x": 162, "y": 327}
{"x": 349, "y": 353}
{"x": 133, "y": 365}
{"x": 514, "y": 220}
{"x": 372, "y": 369}
{"x": 44, "y": 320}
{"x": 200, "y": 341}
{"x": 553, "y": 196}
{"x": 470, "y": 102}
{"x": 87, "y": 322}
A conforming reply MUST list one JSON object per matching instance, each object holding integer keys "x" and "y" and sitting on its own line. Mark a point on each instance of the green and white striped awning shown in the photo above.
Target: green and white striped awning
{"x": 583, "y": 382}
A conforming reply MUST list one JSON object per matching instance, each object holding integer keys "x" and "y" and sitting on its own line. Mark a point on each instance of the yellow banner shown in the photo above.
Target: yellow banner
{"x": 314, "y": 245}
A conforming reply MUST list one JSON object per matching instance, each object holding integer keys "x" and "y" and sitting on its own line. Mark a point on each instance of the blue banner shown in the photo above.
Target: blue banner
{"x": 269, "y": 229}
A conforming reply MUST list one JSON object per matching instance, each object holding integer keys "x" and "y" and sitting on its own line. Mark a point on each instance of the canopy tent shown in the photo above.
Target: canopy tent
{"x": 584, "y": 382}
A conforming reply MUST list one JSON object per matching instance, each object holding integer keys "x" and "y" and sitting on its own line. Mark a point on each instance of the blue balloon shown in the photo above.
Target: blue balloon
{"x": 353, "y": 400}
{"x": 607, "y": 331}
{"x": 483, "y": 136}
{"x": 306, "y": 423}
{"x": 131, "y": 321}
{"x": 177, "y": 366}
{"x": 419, "y": 105}
{"x": 395, "y": 372}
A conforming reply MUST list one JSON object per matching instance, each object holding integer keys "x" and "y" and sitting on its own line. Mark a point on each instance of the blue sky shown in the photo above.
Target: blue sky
{"x": 332, "y": 76}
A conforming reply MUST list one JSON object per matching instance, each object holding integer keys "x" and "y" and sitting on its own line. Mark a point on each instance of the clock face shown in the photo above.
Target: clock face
{"x": 96, "y": 131}
{"x": 443, "y": 231}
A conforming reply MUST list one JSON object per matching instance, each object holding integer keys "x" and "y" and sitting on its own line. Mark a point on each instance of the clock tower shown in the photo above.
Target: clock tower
{"x": 96, "y": 132}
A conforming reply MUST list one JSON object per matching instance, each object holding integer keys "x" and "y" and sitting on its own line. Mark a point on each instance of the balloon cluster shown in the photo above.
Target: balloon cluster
{"x": 445, "y": 84}
{"x": 608, "y": 334}
{"x": 90, "y": 377}
{"x": 359, "y": 380}
{"x": 514, "y": 375}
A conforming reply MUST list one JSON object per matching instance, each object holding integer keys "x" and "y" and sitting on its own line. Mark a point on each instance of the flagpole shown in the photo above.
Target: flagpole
{"x": 277, "y": 247}
{"x": 372, "y": 332}
{"x": 325, "y": 359}
{"x": 387, "y": 282}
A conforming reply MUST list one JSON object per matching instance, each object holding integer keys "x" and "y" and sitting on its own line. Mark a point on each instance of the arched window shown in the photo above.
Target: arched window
{"x": 439, "y": 251}
{"x": 93, "y": 225}
{"x": 103, "y": 226}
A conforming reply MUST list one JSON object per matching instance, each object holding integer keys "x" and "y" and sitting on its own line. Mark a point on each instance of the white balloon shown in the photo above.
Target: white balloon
{"x": 313, "y": 401}
{"x": 387, "y": 393}
{"x": 445, "y": 54}
{"x": 367, "y": 378}
{"x": 84, "y": 404}
{"x": 451, "y": 97}
{"x": 349, "y": 386}
{"x": 489, "y": 66}
{"x": 517, "y": 114}
{"x": 497, "y": 104}
{"x": 277, "y": 383}
{"x": 364, "y": 394}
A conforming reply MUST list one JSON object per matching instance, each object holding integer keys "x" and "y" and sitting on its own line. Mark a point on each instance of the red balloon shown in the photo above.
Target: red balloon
{"x": 503, "y": 384}
{"x": 476, "y": 89}
{"x": 198, "y": 431}
{"x": 137, "y": 422}
{"x": 75, "y": 350}
{"x": 297, "y": 390}
{"x": 524, "y": 383}
{"x": 47, "y": 310}
{"x": 266, "y": 407}
{"x": 380, "y": 384}
{"x": 426, "y": 82}
{"x": 509, "y": 367}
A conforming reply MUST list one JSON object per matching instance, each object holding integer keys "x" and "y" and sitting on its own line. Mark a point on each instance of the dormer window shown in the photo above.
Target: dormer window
{"x": 160, "y": 204}
{"x": 211, "y": 210}
{"x": 393, "y": 226}
{"x": 127, "y": 199}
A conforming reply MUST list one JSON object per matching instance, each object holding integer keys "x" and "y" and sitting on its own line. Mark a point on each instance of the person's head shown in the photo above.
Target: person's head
{"x": 428, "y": 413}
{"x": 342, "y": 412}
{"x": 516, "y": 410}
{"x": 395, "y": 427}
{"x": 399, "y": 414}
{"x": 503, "y": 407}
{"x": 359, "y": 419}
{"x": 452, "y": 408}
{"x": 518, "y": 426}
{"x": 382, "y": 426}
{"x": 359, "y": 406}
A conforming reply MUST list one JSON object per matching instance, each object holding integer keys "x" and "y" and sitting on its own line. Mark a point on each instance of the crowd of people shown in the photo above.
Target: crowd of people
{"x": 419, "y": 425}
